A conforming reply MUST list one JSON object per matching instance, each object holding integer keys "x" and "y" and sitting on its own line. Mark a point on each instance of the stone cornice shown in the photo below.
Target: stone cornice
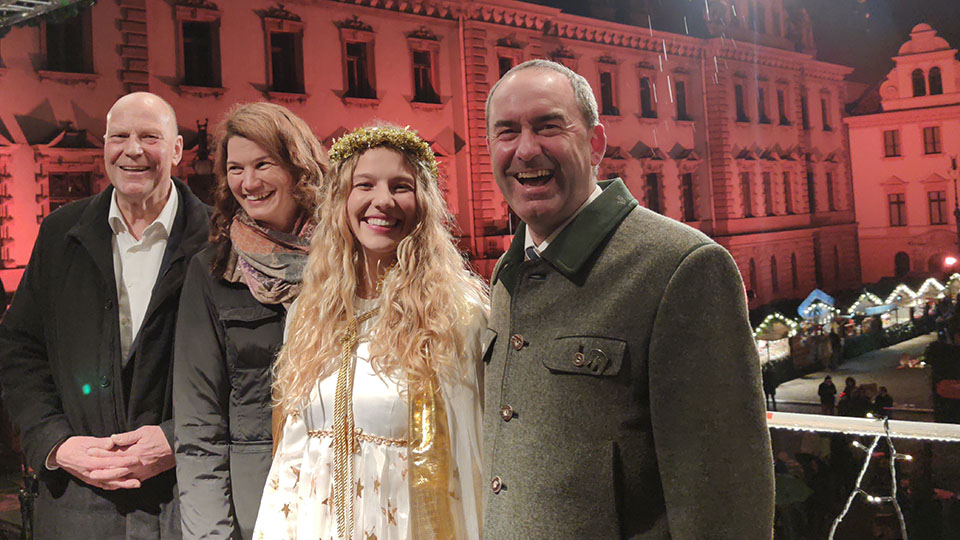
{"x": 442, "y": 9}
{"x": 902, "y": 117}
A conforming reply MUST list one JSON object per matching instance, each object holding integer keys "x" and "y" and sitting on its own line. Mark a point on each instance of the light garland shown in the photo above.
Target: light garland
{"x": 777, "y": 318}
{"x": 857, "y": 490}
{"x": 898, "y": 429}
{"x": 935, "y": 285}
{"x": 865, "y": 297}
{"x": 811, "y": 311}
{"x": 899, "y": 292}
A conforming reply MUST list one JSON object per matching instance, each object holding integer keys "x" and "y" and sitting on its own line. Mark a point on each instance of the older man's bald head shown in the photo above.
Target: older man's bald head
{"x": 149, "y": 100}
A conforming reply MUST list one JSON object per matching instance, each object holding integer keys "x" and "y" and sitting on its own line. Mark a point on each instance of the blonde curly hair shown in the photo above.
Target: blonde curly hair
{"x": 426, "y": 299}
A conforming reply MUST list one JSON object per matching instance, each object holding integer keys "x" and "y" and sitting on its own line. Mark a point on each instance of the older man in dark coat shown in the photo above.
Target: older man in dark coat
{"x": 622, "y": 380}
{"x": 86, "y": 347}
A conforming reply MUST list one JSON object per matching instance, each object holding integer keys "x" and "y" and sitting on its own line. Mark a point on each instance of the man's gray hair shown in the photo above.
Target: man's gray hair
{"x": 581, "y": 89}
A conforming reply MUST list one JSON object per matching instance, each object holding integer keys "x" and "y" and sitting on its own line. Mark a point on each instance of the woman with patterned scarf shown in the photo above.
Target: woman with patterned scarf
{"x": 378, "y": 380}
{"x": 235, "y": 298}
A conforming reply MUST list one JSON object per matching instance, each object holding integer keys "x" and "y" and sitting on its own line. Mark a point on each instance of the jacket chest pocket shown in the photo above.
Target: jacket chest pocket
{"x": 585, "y": 355}
{"x": 253, "y": 334}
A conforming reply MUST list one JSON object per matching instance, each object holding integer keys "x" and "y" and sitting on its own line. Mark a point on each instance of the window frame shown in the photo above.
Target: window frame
{"x": 282, "y": 25}
{"x": 932, "y": 145}
{"x": 897, "y": 200}
{"x": 941, "y": 202}
{"x": 608, "y": 66}
{"x": 891, "y": 148}
{"x": 355, "y": 31}
{"x": 425, "y": 42}
{"x": 211, "y": 15}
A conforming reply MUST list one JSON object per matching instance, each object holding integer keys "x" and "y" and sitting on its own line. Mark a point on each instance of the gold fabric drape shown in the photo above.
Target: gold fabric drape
{"x": 429, "y": 457}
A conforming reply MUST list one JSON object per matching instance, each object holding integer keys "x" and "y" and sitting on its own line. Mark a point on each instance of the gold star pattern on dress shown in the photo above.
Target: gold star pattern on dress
{"x": 390, "y": 512}
{"x": 369, "y": 536}
{"x": 376, "y": 485}
{"x": 286, "y": 510}
{"x": 274, "y": 483}
{"x": 359, "y": 489}
{"x": 296, "y": 473}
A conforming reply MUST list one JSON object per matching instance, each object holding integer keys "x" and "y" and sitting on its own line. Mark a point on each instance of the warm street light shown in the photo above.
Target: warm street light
{"x": 949, "y": 260}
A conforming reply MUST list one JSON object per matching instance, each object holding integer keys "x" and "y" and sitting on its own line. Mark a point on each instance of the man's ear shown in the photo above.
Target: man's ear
{"x": 177, "y": 149}
{"x": 598, "y": 144}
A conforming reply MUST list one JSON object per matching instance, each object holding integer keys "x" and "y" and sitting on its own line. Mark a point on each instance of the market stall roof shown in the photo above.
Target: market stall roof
{"x": 815, "y": 295}
{"x": 866, "y": 300}
{"x": 902, "y": 296}
{"x": 776, "y": 326}
{"x": 932, "y": 289}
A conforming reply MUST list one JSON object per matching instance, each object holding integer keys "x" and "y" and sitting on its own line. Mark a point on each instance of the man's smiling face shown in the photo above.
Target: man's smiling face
{"x": 542, "y": 151}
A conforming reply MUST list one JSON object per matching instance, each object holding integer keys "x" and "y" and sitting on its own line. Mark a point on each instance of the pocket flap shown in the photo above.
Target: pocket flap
{"x": 489, "y": 337}
{"x": 247, "y": 314}
{"x": 586, "y": 355}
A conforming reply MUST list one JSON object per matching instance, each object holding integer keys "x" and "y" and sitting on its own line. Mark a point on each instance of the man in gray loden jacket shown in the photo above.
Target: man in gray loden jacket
{"x": 622, "y": 381}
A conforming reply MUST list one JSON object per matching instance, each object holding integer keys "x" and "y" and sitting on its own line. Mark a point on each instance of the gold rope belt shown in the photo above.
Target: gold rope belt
{"x": 344, "y": 429}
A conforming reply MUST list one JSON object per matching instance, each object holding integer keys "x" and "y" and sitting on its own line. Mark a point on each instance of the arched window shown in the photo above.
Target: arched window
{"x": 901, "y": 264}
{"x": 836, "y": 264}
{"x": 793, "y": 271}
{"x": 753, "y": 278}
{"x": 919, "y": 84}
{"x": 936, "y": 83}
{"x": 773, "y": 274}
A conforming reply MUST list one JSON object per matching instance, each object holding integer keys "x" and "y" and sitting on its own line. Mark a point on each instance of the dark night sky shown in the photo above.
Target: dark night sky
{"x": 862, "y": 34}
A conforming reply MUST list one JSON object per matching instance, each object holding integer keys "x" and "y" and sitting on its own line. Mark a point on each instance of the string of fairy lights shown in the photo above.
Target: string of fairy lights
{"x": 823, "y": 313}
{"x": 881, "y": 429}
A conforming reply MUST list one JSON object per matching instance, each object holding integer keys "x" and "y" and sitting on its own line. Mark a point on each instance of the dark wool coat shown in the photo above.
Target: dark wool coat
{"x": 62, "y": 373}
{"x": 622, "y": 387}
{"x": 226, "y": 342}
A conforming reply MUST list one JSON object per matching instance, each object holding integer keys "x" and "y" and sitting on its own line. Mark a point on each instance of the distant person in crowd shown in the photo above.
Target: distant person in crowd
{"x": 845, "y": 404}
{"x": 86, "y": 349}
{"x": 836, "y": 350}
{"x": 882, "y": 403}
{"x": 595, "y": 424}
{"x": 269, "y": 166}
{"x": 770, "y": 383}
{"x": 378, "y": 382}
{"x": 860, "y": 402}
{"x": 828, "y": 393}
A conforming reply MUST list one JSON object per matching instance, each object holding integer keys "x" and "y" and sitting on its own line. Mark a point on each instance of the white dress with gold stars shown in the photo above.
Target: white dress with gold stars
{"x": 298, "y": 497}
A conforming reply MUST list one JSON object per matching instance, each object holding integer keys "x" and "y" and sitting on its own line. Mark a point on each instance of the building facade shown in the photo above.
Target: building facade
{"x": 904, "y": 134}
{"x": 734, "y": 131}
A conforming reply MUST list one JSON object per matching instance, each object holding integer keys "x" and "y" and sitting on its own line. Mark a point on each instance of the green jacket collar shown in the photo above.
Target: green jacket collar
{"x": 576, "y": 244}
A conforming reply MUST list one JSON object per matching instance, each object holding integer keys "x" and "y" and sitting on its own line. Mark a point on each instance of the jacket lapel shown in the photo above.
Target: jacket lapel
{"x": 93, "y": 233}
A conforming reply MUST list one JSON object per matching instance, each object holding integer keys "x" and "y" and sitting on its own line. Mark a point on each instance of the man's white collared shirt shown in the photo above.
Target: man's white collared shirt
{"x": 136, "y": 264}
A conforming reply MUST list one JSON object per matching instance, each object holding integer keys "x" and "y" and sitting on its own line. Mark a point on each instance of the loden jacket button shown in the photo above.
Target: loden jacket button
{"x": 517, "y": 342}
{"x": 496, "y": 484}
{"x": 506, "y": 412}
{"x": 578, "y": 359}
{"x": 104, "y": 382}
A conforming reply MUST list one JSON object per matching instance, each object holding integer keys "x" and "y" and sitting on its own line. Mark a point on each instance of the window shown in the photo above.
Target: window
{"x": 774, "y": 279}
{"x": 931, "y": 140}
{"x": 358, "y": 69}
{"x": 199, "y": 63}
{"x": 761, "y": 24}
{"x": 787, "y": 193}
{"x": 831, "y": 202}
{"x": 762, "y": 106}
{"x": 937, "y": 201}
{"x": 804, "y": 110}
{"x": 689, "y": 207}
{"x": 504, "y": 64}
{"x": 777, "y": 23}
{"x": 767, "y": 193}
{"x": 752, "y": 293}
{"x": 782, "y": 107}
{"x": 423, "y": 78}
{"x": 936, "y": 82}
{"x": 825, "y": 112}
{"x": 357, "y": 41}
{"x": 608, "y": 105}
{"x": 919, "y": 84}
{"x": 898, "y": 212}
{"x": 680, "y": 89}
{"x": 811, "y": 192}
{"x": 901, "y": 264}
{"x": 794, "y": 277}
{"x": 286, "y": 62}
{"x": 891, "y": 143}
{"x": 69, "y": 187}
{"x": 68, "y": 44}
{"x": 745, "y": 195}
{"x": 652, "y": 189}
{"x": 646, "y": 98}
{"x": 741, "y": 104}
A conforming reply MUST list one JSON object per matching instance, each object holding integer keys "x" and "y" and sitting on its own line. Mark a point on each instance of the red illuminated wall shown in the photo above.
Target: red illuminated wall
{"x": 910, "y": 172}
{"x": 689, "y": 167}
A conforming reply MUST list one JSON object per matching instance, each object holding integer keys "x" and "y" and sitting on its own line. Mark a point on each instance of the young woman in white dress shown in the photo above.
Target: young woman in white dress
{"x": 377, "y": 385}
